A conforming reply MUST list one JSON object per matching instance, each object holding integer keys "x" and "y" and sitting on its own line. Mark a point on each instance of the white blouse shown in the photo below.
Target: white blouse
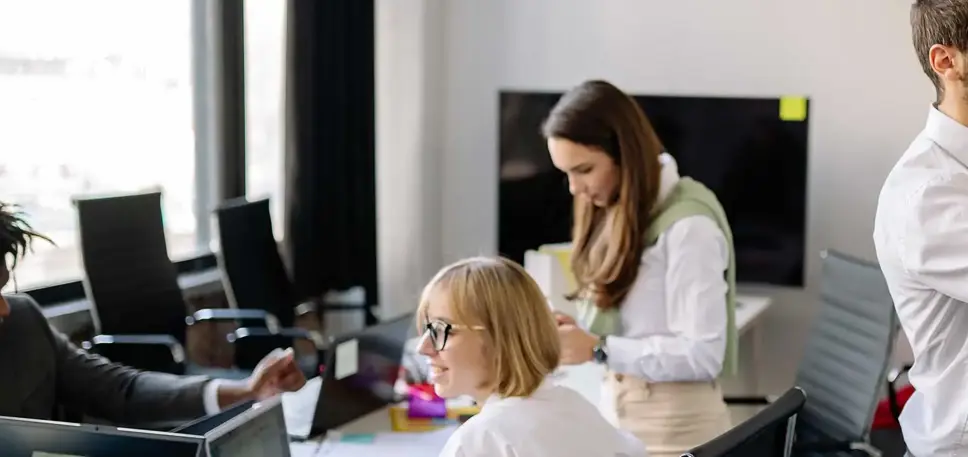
{"x": 553, "y": 422}
{"x": 673, "y": 321}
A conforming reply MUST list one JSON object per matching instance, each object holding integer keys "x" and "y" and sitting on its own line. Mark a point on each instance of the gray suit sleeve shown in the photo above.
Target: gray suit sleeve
{"x": 94, "y": 386}
{"x": 97, "y": 387}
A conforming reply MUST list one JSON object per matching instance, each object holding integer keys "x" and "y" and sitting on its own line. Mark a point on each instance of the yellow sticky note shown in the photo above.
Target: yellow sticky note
{"x": 793, "y": 108}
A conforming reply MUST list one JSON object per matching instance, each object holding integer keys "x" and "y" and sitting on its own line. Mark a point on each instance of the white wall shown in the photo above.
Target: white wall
{"x": 409, "y": 66}
{"x": 853, "y": 59}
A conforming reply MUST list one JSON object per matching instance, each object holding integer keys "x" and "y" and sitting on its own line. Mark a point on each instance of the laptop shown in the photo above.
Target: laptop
{"x": 248, "y": 428}
{"x": 21, "y": 437}
{"x": 357, "y": 378}
{"x": 205, "y": 424}
{"x": 259, "y": 431}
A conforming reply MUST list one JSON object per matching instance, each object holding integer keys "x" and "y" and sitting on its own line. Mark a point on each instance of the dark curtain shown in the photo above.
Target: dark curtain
{"x": 331, "y": 170}
{"x": 230, "y": 24}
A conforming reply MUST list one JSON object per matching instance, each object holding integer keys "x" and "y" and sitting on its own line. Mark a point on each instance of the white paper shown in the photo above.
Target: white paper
{"x": 347, "y": 359}
{"x": 398, "y": 444}
{"x": 552, "y": 278}
{"x": 304, "y": 449}
{"x": 299, "y": 408}
{"x": 539, "y": 266}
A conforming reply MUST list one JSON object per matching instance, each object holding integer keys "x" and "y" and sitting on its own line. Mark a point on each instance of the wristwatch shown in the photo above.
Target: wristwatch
{"x": 600, "y": 351}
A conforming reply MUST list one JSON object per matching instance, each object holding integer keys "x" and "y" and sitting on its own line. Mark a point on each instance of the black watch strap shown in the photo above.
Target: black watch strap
{"x": 600, "y": 352}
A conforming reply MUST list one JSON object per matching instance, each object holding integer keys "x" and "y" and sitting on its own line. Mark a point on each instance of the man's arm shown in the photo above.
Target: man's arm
{"x": 94, "y": 386}
{"x": 934, "y": 245}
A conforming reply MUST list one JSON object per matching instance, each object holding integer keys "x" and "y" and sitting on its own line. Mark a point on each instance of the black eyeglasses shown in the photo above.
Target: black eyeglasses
{"x": 438, "y": 331}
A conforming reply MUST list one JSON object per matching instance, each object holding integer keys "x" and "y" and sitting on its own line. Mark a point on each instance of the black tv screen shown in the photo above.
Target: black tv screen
{"x": 752, "y": 152}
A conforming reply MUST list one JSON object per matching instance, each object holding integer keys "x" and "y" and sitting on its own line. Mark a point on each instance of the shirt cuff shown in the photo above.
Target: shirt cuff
{"x": 210, "y": 397}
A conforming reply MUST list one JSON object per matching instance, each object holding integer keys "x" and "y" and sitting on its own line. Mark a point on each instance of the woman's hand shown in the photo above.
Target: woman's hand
{"x": 564, "y": 319}
{"x": 577, "y": 345}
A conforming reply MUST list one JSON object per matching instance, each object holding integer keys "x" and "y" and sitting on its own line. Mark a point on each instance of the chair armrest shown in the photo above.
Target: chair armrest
{"x": 896, "y": 373}
{"x": 253, "y": 316}
{"x": 751, "y": 400}
{"x": 136, "y": 351}
{"x": 253, "y": 343}
{"x": 176, "y": 349}
{"x": 282, "y": 335}
{"x": 893, "y": 402}
{"x": 306, "y": 308}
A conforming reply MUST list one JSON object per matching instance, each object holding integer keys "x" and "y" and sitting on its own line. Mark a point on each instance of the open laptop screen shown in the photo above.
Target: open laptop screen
{"x": 30, "y": 438}
{"x": 361, "y": 372}
{"x": 258, "y": 432}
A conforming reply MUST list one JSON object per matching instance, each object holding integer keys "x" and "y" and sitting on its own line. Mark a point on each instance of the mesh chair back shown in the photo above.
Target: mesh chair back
{"x": 847, "y": 353}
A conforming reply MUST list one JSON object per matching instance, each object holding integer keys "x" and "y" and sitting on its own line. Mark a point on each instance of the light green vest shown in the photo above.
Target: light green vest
{"x": 688, "y": 198}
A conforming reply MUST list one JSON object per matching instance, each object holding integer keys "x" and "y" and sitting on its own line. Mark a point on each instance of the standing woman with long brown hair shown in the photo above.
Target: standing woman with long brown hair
{"x": 652, "y": 255}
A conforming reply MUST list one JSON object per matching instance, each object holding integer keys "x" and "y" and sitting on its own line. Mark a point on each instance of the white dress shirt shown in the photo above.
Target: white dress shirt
{"x": 553, "y": 422}
{"x": 210, "y": 397}
{"x": 673, "y": 321}
{"x": 921, "y": 237}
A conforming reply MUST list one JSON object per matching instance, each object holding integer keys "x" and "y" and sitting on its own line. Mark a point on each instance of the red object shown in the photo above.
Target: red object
{"x": 883, "y": 416}
{"x": 424, "y": 391}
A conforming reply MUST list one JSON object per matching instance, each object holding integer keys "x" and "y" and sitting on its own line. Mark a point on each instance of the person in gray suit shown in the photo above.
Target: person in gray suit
{"x": 42, "y": 373}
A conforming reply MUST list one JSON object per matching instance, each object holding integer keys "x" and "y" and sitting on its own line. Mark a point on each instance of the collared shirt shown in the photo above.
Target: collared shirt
{"x": 673, "y": 320}
{"x": 555, "y": 421}
{"x": 921, "y": 238}
{"x": 210, "y": 397}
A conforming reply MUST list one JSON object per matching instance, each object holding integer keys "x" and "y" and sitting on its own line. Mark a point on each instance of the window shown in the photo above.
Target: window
{"x": 265, "y": 63}
{"x": 96, "y": 98}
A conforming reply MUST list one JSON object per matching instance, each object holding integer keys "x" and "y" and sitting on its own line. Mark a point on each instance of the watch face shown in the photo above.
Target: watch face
{"x": 599, "y": 354}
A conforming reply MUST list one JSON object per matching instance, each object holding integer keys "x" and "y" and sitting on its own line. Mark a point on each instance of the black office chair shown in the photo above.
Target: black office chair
{"x": 137, "y": 306}
{"x": 845, "y": 361}
{"x": 255, "y": 277}
{"x": 770, "y": 433}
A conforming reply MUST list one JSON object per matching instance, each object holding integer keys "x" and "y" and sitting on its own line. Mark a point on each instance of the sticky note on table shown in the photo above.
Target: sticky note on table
{"x": 347, "y": 359}
{"x": 793, "y": 108}
{"x": 359, "y": 438}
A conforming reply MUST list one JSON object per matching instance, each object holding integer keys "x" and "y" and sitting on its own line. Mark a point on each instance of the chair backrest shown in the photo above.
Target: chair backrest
{"x": 769, "y": 433}
{"x": 128, "y": 277}
{"x": 847, "y": 353}
{"x": 252, "y": 269}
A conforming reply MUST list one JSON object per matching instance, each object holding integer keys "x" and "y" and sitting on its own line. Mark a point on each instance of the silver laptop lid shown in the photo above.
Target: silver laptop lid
{"x": 21, "y": 437}
{"x": 258, "y": 432}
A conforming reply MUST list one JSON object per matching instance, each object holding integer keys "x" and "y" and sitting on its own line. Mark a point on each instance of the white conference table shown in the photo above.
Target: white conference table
{"x": 585, "y": 378}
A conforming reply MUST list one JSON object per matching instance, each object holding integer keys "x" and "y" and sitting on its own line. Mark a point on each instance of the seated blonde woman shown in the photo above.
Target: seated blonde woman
{"x": 489, "y": 334}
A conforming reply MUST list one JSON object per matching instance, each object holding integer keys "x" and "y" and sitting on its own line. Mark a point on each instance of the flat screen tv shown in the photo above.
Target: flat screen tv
{"x": 749, "y": 153}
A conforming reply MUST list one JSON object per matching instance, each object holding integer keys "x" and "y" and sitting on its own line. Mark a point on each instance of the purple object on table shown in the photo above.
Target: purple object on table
{"x": 425, "y": 405}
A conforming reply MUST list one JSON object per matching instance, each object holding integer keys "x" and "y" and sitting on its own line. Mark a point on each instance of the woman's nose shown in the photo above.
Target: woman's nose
{"x": 426, "y": 347}
{"x": 573, "y": 186}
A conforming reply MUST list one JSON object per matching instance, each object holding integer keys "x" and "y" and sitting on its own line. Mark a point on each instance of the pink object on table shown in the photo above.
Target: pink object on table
{"x": 424, "y": 403}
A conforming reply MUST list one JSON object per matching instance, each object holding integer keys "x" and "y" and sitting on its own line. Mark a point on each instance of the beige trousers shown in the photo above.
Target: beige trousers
{"x": 669, "y": 417}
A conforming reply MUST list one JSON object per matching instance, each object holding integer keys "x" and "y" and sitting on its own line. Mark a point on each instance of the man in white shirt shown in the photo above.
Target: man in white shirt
{"x": 921, "y": 238}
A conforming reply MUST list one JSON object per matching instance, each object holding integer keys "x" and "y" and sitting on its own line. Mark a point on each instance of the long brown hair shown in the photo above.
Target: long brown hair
{"x": 608, "y": 242}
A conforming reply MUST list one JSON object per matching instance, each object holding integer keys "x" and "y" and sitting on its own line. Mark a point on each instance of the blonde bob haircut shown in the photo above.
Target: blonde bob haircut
{"x": 512, "y": 315}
